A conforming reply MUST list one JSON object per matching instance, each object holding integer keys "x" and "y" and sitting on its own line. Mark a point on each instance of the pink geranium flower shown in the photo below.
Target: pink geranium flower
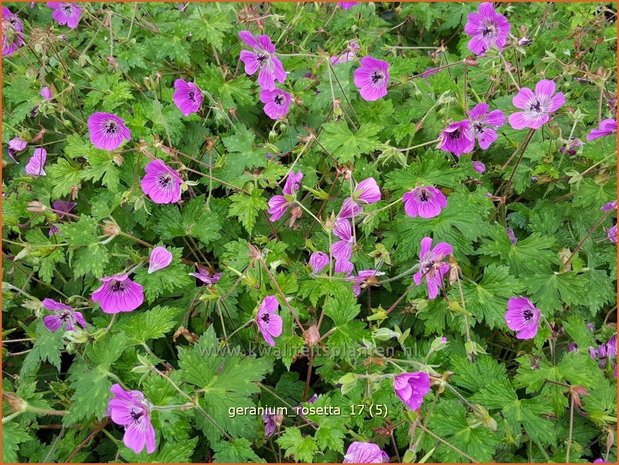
{"x": 118, "y": 294}
{"x": 431, "y": 265}
{"x": 612, "y": 234}
{"x": 485, "y": 123}
{"x": 107, "y": 131}
{"x": 64, "y": 316}
{"x": 371, "y": 78}
{"x": 348, "y": 55}
{"x": 161, "y": 183}
{"x": 12, "y": 29}
{"x": 159, "y": 259}
{"x": 205, "y": 276}
{"x": 411, "y": 388}
{"x": 347, "y": 5}
{"x": 318, "y": 261}
{"x": 457, "y": 138}
{"x": 46, "y": 93}
{"x": 609, "y": 206}
{"x": 478, "y": 166}
{"x": 279, "y": 204}
{"x": 487, "y": 29}
{"x": 343, "y": 266}
{"x": 66, "y": 13}
{"x": 365, "y": 452}
{"x": 269, "y": 322}
{"x": 15, "y": 146}
{"x": 424, "y": 201}
{"x": 36, "y": 164}
{"x": 537, "y": 106}
{"x": 262, "y": 58}
{"x": 523, "y": 317}
{"x": 342, "y": 249}
{"x": 187, "y": 97}
{"x": 131, "y": 410}
{"x": 606, "y": 128}
{"x": 364, "y": 279}
{"x": 276, "y": 103}
{"x": 367, "y": 191}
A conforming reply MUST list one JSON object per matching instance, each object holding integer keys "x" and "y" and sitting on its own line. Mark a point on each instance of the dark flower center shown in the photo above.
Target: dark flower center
{"x": 527, "y": 314}
{"x": 262, "y": 57}
{"x": 67, "y": 8}
{"x": 489, "y": 29}
{"x": 118, "y": 286}
{"x": 165, "y": 180}
{"x": 423, "y": 196}
{"x": 279, "y": 99}
{"x": 377, "y": 77}
{"x": 537, "y": 106}
{"x": 455, "y": 134}
{"x": 111, "y": 127}
{"x": 266, "y": 318}
{"x": 479, "y": 127}
{"x": 64, "y": 316}
{"x": 136, "y": 415}
{"x": 191, "y": 95}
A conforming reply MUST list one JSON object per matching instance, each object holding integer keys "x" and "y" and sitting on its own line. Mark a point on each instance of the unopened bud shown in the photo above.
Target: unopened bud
{"x": 110, "y": 229}
{"x": 36, "y": 207}
{"x": 15, "y": 402}
{"x": 312, "y": 336}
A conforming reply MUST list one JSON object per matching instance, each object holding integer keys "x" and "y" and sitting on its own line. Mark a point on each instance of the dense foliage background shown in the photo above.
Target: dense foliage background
{"x": 494, "y": 397}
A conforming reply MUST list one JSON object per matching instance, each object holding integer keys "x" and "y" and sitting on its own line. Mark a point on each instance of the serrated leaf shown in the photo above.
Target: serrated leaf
{"x": 345, "y": 145}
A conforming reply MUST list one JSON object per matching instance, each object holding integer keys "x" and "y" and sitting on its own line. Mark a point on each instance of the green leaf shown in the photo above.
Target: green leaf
{"x": 90, "y": 395}
{"x": 46, "y": 348}
{"x": 247, "y": 208}
{"x": 163, "y": 282}
{"x": 90, "y": 260}
{"x": 345, "y": 145}
{"x": 300, "y": 448}
{"x": 151, "y": 324}
{"x": 64, "y": 177}
{"x": 194, "y": 220}
{"x": 12, "y": 436}
{"x": 343, "y": 308}
{"x": 488, "y": 299}
{"x": 235, "y": 451}
{"x": 102, "y": 167}
{"x": 80, "y": 233}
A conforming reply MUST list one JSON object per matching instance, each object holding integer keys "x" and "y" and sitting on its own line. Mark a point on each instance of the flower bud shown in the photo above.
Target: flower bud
{"x": 312, "y": 336}
{"x": 110, "y": 229}
{"x": 36, "y": 207}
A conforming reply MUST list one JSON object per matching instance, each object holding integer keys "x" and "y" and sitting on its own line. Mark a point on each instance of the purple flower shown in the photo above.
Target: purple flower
{"x": 342, "y": 249}
{"x": 16, "y": 145}
{"x": 487, "y": 28}
{"x": 347, "y": 5}
{"x": 271, "y": 421}
{"x": 348, "y": 55}
{"x": 160, "y": 258}
{"x": 609, "y": 206}
{"x": 12, "y": 28}
{"x": 411, "y": 388}
{"x": 279, "y": 204}
{"x": 363, "y": 279}
{"x": 572, "y": 347}
{"x": 600, "y": 355}
{"x": 53, "y": 229}
{"x": 107, "y": 131}
{"x": 205, "y": 276}
{"x": 269, "y": 322}
{"x": 424, "y": 201}
{"x": 367, "y": 191}
{"x": 187, "y": 97}
{"x": 606, "y": 128}
{"x": 276, "y": 103}
{"x": 62, "y": 207}
{"x": 46, "y": 93}
{"x": 371, "y": 78}
{"x": 364, "y": 452}
{"x": 318, "y": 261}
{"x": 537, "y": 106}
{"x": 35, "y": 165}
{"x": 523, "y": 317}
{"x": 64, "y": 316}
{"x": 429, "y": 72}
{"x": 349, "y": 209}
{"x": 611, "y": 346}
{"x": 131, "y": 410}
{"x": 343, "y": 266}
{"x": 457, "y": 138}
{"x": 612, "y": 234}
{"x": 478, "y": 166}
{"x": 511, "y": 236}
{"x": 484, "y": 123}
{"x": 571, "y": 146}
{"x": 431, "y": 265}
{"x": 161, "y": 183}
{"x": 263, "y": 58}
{"x": 66, "y": 13}
{"x": 600, "y": 460}
{"x": 118, "y": 294}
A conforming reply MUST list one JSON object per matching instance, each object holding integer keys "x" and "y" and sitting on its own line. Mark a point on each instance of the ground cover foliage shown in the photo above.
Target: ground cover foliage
{"x": 245, "y": 235}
